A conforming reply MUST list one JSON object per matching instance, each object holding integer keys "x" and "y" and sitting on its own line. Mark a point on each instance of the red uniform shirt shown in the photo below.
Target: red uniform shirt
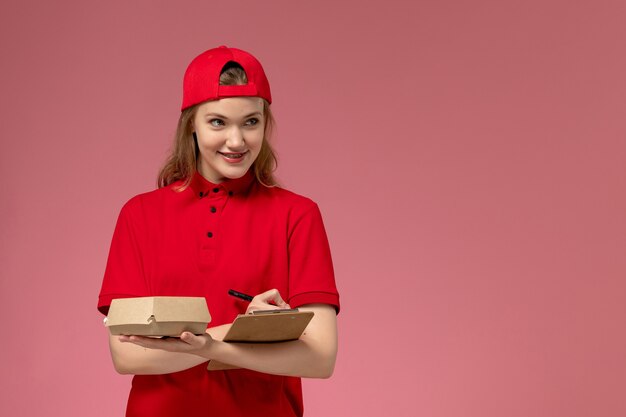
{"x": 204, "y": 241}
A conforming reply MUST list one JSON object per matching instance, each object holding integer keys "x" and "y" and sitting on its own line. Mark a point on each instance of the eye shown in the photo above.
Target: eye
{"x": 216, "y": 122}
{"x": 252, "y": 122}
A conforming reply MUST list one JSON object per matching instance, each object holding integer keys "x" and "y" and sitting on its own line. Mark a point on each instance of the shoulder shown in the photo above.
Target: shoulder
{"x": 288, "y": 197}
{"x": 284, "y": 206}
{"x": 151, "y": 201}
{"x": 284, "y": 200}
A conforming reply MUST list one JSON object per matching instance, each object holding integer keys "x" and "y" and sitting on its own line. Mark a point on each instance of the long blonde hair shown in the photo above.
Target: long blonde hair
{"x": 182, "y": 161}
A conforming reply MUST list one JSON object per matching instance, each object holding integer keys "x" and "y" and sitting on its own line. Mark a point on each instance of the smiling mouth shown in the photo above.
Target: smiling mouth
{"x": 231, "y": 155}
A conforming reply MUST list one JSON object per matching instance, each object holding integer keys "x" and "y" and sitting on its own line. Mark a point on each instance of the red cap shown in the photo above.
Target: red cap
{"x": 202, "y": 78}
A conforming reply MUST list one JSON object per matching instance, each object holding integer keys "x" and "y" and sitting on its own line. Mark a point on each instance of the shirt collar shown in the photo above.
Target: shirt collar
{"x": 203, "y": 187}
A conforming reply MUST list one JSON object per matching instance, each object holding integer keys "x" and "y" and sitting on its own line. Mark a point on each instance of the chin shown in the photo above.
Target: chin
{"x": 234, "y": 174}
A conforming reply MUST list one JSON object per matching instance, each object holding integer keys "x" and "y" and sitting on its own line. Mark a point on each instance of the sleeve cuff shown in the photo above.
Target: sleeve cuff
{"x": 104, "y": 301}
{"x": 315, "y": 298}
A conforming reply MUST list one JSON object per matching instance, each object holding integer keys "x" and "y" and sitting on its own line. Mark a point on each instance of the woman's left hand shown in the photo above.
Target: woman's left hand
{"x": 269, "y": 300}
{"x": 187, "y": 343}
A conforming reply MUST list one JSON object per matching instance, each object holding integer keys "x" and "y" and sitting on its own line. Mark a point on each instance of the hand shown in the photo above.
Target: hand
{"x": 187, "y": 343}
{"x": 262, "y": 301}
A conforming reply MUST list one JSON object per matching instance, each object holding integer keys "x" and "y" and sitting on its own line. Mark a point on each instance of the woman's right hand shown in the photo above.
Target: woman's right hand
{"x": 264, "y": 301}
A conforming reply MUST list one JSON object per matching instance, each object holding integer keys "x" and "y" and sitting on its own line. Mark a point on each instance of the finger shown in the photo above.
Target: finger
{"x": 261, "y": 306}
{"x": 265, "y": 306}
{"x": 192, "y": 340}
{"x": 273, "y": 295}
{"x": 170, "y": 344}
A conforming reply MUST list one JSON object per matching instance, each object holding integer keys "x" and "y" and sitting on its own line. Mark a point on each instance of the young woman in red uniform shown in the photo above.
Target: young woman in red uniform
{"x": 218, "y": 221}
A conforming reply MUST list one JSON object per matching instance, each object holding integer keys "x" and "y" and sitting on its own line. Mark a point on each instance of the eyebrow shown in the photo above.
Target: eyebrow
{"x": 221, "y": 116}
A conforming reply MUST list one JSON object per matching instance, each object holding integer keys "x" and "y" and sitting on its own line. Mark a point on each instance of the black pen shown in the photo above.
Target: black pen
{"x": 241, "y": 295}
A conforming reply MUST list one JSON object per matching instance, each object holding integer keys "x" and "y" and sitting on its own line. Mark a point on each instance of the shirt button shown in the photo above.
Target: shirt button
{"x": 230, "y": 193}
{"x": 216, "y": 190}
{"x": 209, "y": 234}
{"x": 213, "y": 209}
{"x": 201, "y": 194}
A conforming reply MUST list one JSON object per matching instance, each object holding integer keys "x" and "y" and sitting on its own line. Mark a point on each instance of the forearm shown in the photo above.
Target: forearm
{"x": 296, "y": 358}
{"x": 129, "y": 358}
{"x": 312, "y": 356}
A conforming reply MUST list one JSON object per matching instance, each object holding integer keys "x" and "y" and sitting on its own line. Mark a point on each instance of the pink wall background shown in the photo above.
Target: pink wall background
{"x": 468, "y": 157}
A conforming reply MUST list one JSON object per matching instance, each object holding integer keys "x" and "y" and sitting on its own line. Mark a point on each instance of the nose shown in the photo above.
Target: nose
{"x": 235, "y": 139}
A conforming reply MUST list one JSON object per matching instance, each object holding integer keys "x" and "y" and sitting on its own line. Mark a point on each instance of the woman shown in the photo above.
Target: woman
{"x": 218, "y": 222}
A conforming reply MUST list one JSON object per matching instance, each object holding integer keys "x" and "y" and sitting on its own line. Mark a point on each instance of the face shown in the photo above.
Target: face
{"x": 230, "y": 133}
